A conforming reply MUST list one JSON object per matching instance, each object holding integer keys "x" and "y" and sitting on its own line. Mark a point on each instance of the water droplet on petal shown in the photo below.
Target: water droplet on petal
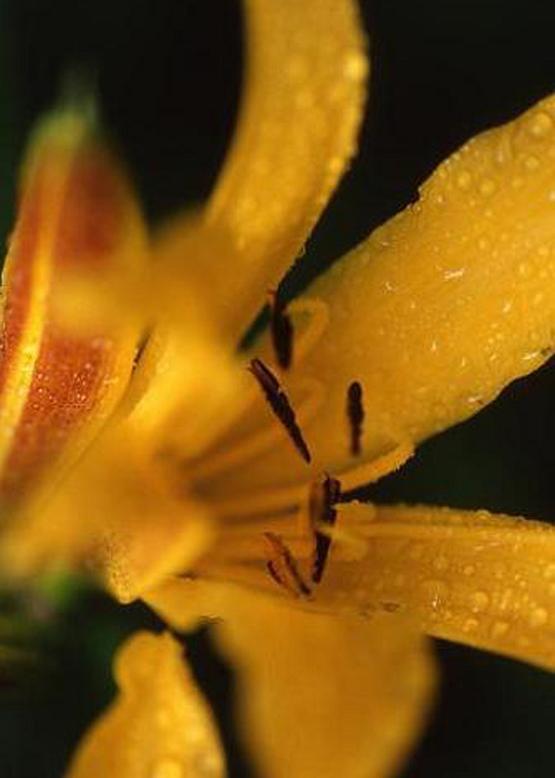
{"x": 540, "y": 125}
{"x": 435, "y": 592}
{"x": 479, "y": 601}
{"x": 456, "y": 273}
{"x": 464, "y": 179}
{"x": 538, "y": 617}
{"x": 356, "y": 66}
{"x": 471, "y": 625}
{"x": 499, "y": 629}
{"x": 167, "y": 768}
{"x": 441, "y": 563}
{"x": 549, "y": 571}
{"x": 531, "y": 163}
{"x": 487, "y": 187}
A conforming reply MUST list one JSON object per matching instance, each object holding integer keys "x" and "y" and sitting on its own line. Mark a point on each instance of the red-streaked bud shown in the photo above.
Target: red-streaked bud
{"x": 58, "y": 383}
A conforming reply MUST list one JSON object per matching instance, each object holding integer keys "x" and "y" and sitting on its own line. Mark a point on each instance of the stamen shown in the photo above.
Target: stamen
{"x": 281, "y": 328}
{"x": 355, "y": 414}
{"x": 280, "y": 405}
{"x": 370, "y": 472}
{"x": 323, "y": 497}
{"x": 141, "y": 347}
{"x": 282, "y": 567}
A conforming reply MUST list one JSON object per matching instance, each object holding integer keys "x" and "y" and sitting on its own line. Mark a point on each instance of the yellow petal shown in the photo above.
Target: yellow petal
{"x": 319, "y": 696}
{"x": 300, "y": 113}
{"x": 475, "y": 578}
{"x": 117, "y": 514}
{"x": 58, "y": 385}
{"x": 443, "y": 306}
{"x": 159, "y": 725}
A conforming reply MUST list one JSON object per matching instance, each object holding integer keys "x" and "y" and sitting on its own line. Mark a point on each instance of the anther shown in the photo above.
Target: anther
{"x": 280, "y": 405}
{"x": 324, "y": 495}
{"x": 355, "y": 415}
{"x": 141, "y": 348}
{"x": 282, "y": 567}
{"x": 281, "y": 329}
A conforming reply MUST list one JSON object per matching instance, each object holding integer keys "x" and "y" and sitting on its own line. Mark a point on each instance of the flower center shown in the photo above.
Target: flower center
{"x": 280, "y": 535}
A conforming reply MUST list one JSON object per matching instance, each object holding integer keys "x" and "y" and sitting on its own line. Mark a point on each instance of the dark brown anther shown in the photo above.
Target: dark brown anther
{"x": 283, "y": 567}
{"x": 280, "y": 405}
{"x": 141, "y": 348}
{"x": 355, "y": 414}
{"x": 323, "y": 498}
{"x": 281, "y": 329}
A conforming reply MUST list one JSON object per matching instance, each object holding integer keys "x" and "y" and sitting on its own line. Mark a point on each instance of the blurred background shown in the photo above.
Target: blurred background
{"x": 168, "y": 74}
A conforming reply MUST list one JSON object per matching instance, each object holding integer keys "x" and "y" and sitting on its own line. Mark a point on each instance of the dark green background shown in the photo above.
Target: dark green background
{"x": 168, "y": 73}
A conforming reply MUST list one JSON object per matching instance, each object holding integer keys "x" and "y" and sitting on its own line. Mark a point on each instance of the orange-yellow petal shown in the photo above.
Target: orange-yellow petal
{"x": 302, "y": 103}
{"x": 159, "y": 725}
{"x": 475, "y": 578}
{"x": 117, "y": 515}
{"x": 319, "y": 696}
{"x": 58, "y": 386}
{"x": 443, "y": 306}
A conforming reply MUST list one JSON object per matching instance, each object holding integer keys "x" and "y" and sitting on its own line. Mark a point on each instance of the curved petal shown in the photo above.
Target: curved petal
{"x": 475, "y": 578}
{"x": 301, "y": 110}
{"x": 159, "y": 726}
{"x": 443, "y": 306}
{"x": 58, "y": 384}
{"x": 318, "y": 695}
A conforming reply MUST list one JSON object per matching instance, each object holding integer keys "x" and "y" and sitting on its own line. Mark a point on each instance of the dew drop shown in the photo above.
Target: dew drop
{"x": 479, "y": 601}
{"x": 435, "y": 592}
{"x": 549, "y": 571}
{"x": 531, "y": 163}
{"x": 499, "y": 629}
{"x": 538, "y": 617}
{"x": 456, "y": 273}
{"x": 487, "y": 187}
{"x": 540, "y": 125}
{"x": 471, "y": 625}
{"x": 464, "y": 179}
{"x": 167, "y": 768}
{"x": 441, "y": 563}
{"x": 355, "y": 66}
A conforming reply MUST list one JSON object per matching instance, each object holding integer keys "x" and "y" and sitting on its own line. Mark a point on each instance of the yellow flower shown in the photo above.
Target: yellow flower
{"x": 212, "y": 491}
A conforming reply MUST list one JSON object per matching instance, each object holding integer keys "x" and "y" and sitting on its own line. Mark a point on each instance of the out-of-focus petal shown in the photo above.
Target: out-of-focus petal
{"x": 443, "y": 306}
{"x": 117, "y": 515}
{"x": 301, "y": 108}
{"x": 58, "y": 385}
{"x": 318, "y": 695}
{"x": 159, "y": 725}
{"x": 475, "y": 578}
